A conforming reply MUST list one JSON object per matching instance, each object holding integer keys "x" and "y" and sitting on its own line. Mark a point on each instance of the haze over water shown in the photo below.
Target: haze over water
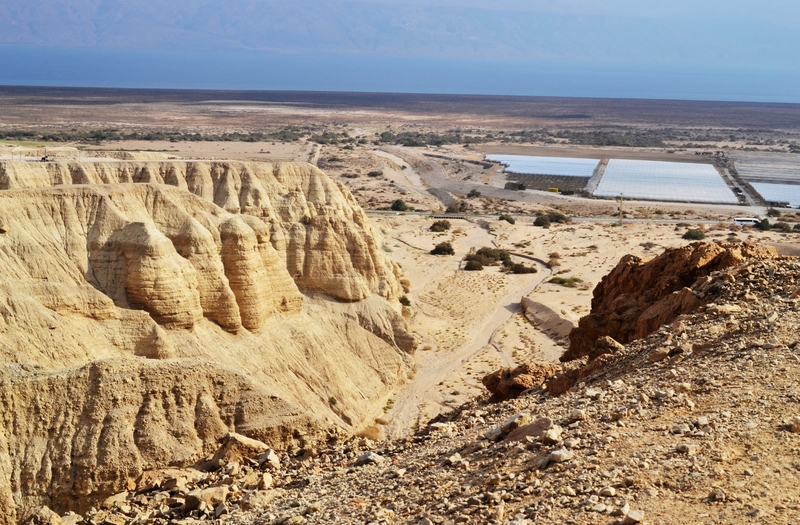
{"x": 731, "y": 50}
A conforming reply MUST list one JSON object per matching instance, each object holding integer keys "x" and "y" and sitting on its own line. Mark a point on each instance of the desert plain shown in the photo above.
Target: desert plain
{"x": 433, "y": 330}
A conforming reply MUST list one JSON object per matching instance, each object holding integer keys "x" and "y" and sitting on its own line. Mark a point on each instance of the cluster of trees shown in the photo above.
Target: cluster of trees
{"x": 419, "y": 139}
{"x": 492, "y": 257}
{"x": 288, "y": 134}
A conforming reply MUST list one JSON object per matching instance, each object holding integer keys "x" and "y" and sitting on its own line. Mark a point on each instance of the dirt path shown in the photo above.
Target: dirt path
{"x": 421, "y": 389}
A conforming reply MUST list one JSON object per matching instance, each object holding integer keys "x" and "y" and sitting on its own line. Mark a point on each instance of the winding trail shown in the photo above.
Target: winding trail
{"x": 417, "y": 392}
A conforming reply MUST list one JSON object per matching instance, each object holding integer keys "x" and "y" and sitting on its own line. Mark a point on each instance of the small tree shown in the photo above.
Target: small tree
{"x": 399, "y": 205}
{"x": 764, "y": 225}
{"x": 473, "y": 266}
{"x": 440, "y": 226}
{"x": 694, "y": 235}
{"x": 443, "y": 248}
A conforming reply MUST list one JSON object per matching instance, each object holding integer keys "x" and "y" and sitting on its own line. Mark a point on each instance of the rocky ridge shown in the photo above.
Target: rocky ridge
{"x": 695, "y": 422}
{"x": 639, "y": 296}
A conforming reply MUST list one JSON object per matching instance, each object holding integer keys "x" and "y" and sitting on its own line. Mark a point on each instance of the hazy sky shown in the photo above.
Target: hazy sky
{"x": 684, "y": 49}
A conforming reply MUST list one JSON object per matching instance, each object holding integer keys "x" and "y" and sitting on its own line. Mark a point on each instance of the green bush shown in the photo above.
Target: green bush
{"x": 443, "y": 248}
{"x": 783, "y": 226}
{"x": 764, "y": 225}
{"x": 473, "y": 266}
{"x": 772, "y": 212}
{"x": 473, "y": 193}
{"x": 399, "y": 205}
{"x": 568, "y": 282}
{"x": 519, "y": 268}
{"x": 542, "y": 221}
{"x": 508, "y": 218}
{"x": 694, "y": 235}
{"x": 440, "y": 226}
{"x": 375, "y": 174}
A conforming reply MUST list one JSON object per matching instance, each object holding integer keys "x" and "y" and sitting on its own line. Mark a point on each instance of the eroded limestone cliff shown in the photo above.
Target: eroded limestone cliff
{"x": 149, "y": 308}
{"x": 313, "y": 222}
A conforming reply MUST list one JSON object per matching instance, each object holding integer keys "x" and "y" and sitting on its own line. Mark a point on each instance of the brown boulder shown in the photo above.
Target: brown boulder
{"x": 508, "y": 383}
{"x": 236, "y": 448}
{"x": 43, "y": 516}
{"x": 638, "y": 297}
{"x": 604, "y": 345}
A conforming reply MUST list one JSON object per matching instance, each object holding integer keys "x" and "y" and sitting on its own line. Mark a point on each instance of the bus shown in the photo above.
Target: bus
{"x": 746, "y": 221}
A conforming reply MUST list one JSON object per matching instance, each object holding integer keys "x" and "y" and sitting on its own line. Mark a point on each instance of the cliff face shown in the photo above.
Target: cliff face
{"x": 110, "y": 420}
{"x": 313, "y": 223}
{"x": 139, "y": 322}
{"x": 637, "y": 297}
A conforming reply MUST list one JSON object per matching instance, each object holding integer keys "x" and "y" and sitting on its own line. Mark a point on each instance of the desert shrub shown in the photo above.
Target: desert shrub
{"x": 568, "y": 282}
{"x": 519, "y": 268}
{"x": 542, "y": 221}
{"x": 473, "y": 266}
{"x": 796, "y": 227}
{"x": 350, "y": 175}
{"x": 783, "y": 226}
{"x": 457, "y": 207}
{"x": 557, "y": 216}
{"x": 406, "y": 284}
{"x": 376, "y": 173}
{"x": 772, "y": 212}
{"x": 443, "y": 248}
{"x": 495, "y": 254}
{"x": 554, "y": 255}
{"x": 399, "y": 205}
{"x": 440, "y": 226}
{"x": 764, "y": 225}
{"x": 473, "y": 193}
{"x": 405, "y": 301}
{"x": 694, "y": 235}
{"x": 508, "y": 218}
{"x": 552, "y": 263}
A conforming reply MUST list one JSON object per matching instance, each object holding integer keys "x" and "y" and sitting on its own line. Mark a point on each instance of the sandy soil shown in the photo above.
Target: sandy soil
{"x": 471, "y": 323}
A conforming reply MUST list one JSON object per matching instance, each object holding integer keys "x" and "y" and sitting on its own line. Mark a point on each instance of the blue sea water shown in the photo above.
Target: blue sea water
{"x": 250, "y": 70}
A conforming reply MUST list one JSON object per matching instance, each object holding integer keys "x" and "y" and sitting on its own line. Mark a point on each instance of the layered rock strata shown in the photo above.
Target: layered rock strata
{"x": 190, "y": 315}
{"x": 313, "y": 222}
{"x": 638, "y": 296}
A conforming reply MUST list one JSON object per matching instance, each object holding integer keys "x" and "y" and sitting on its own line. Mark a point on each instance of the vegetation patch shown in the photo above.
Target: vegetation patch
{"x": 440, "y": 226}
{"x": 567, "y": 282}
{"x": 443, "y": 248}
{"x": 694, "y": 235}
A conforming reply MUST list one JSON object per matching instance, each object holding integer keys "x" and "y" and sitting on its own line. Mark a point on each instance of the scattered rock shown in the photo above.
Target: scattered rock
{"x": 370, "y": 458}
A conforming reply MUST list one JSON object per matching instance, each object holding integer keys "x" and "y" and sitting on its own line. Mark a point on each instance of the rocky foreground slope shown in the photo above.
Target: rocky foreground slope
{"x": 698, "y": 422}
{"x": 144, "y": 317}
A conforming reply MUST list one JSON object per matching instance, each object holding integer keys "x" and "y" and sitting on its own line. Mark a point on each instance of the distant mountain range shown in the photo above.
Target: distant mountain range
{"x": 572, "y": 30}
